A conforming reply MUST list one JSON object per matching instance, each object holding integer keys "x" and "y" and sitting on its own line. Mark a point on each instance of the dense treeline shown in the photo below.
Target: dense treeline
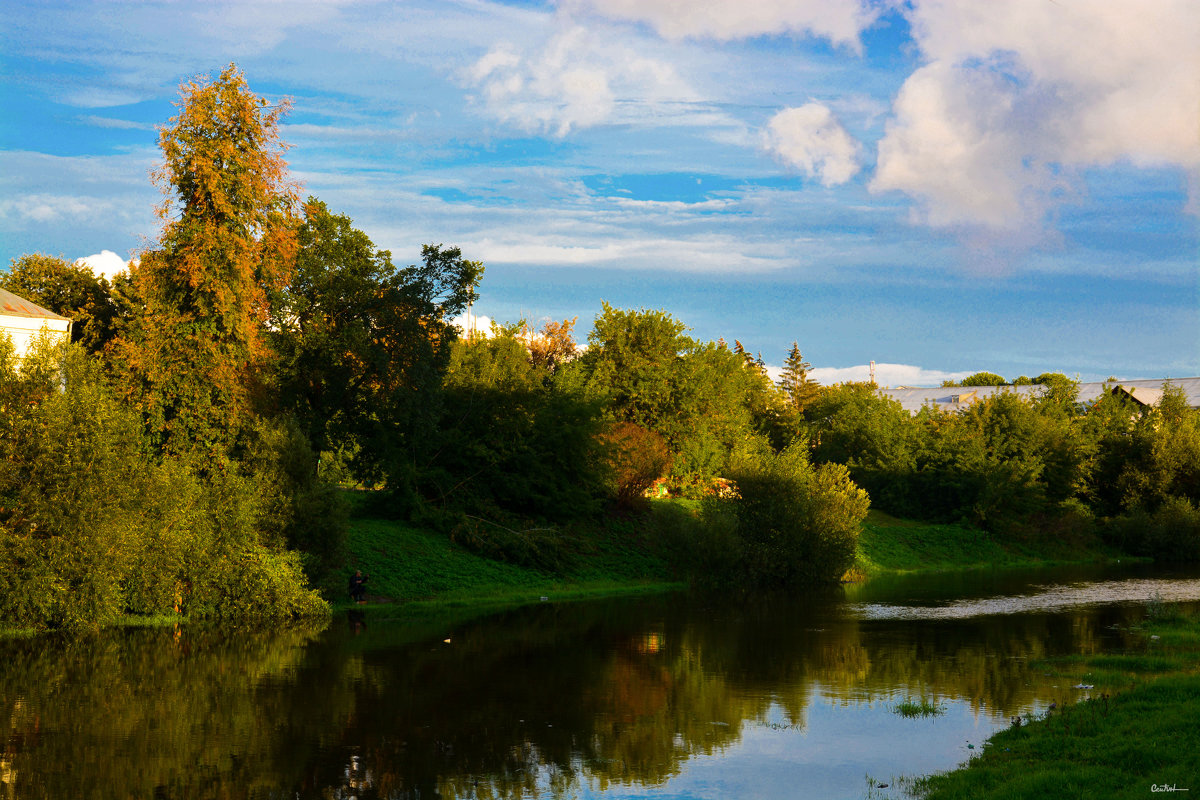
{"x": 183, "y": 454}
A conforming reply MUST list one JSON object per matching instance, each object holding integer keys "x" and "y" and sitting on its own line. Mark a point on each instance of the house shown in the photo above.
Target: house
{"x": 24, "y": 320}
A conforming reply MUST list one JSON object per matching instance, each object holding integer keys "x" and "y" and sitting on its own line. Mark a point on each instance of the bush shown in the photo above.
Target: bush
{"x": 798, "y": 525}
{"x": 638, "y": 457}
{"x": 1171, "y": 533}
{"x": 92, "y": 525}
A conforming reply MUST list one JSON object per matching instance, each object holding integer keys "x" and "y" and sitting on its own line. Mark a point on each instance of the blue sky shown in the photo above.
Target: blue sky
{"x": 941, "y": 187}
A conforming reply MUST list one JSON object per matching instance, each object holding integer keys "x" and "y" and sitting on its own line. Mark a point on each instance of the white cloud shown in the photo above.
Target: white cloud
{"x": 1017, "y": 99}
{"x": 106, "y": 263}
{"x": 481, "y": 324}
{"x": 810, "y": 138}
{"x": 577, "y": 78}
{"x": 47, "y": 208}
{"x": 885, "y": 375}
{"x": 840, "y": 21}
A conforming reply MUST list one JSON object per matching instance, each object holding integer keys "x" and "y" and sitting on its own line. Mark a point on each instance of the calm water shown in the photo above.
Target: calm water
{"x": 665, "y": 697}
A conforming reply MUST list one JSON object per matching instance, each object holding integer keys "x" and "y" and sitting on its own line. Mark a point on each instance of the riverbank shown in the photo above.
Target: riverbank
{"x": 888, "y": 544}
{"x": 1135, "y": 736}
{"x": 424, "y": 570}
{"x": 413, "y": 566}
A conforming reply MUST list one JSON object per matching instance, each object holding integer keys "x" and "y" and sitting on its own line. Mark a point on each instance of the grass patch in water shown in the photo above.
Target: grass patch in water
{"x": 918, "y": 708}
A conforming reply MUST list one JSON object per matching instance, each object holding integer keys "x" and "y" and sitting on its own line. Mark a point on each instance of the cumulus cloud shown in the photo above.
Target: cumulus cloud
{"x": 840, "y": 21}
{"x": 576, "y": 79}
{"x": 811, "y": 139}
{"x": 1017, "y": 99}
{"x": 885, "y": 375}
{"x": 480, "y": 324}
{"x": 106, "y": 263}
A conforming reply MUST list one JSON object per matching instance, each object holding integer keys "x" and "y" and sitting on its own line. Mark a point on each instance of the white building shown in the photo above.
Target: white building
{"x": 23, "y": 321}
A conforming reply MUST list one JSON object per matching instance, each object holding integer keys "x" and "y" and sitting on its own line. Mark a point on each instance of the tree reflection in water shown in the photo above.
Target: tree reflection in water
{"x": 543, "y": 700}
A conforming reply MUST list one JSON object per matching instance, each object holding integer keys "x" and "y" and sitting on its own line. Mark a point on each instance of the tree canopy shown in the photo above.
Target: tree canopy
{"x": 195, "y": 353}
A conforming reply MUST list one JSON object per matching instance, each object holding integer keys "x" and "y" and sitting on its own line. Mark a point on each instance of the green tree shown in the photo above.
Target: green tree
{"x": 512, "y": 444}
{"x": 872, "y": 434}
{"x": 800, "y": 389}
{"x": 71, "y": 290}
{"x": 983, "y": 379}
{"x": 93, "y": 524}
{"x": 706, "y": 401}
{"x": 195, "y": 355}
{"x": 633, "y": 361}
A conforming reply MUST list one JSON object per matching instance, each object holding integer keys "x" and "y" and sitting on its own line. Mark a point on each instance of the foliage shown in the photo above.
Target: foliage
{"x": 798, "y": 524}
{"x": 801, "y": 390}
{"x": 1171, "y": 533}
{"x": 983, "y": 379}
{"x": 513, "y": 439}
{"x": 553, "y": 345}
{"x": 706, "y": 401}
{"x": 94, "y": 526}
{"x": 638, "y": 457}
{"x": 195, "y": 353}
{"x": 362, "y": 346}
{"x": 852, "y": 424}
{"x": 300, "y": 510}
{"x": 71, "y": 290}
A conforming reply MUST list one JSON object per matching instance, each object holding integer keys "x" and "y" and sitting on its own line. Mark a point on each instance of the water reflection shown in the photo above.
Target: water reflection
{"x": 663, "y": 695}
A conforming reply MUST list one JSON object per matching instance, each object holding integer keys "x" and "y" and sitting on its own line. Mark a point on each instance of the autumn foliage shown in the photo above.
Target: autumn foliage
{"x": 195, "y": 353}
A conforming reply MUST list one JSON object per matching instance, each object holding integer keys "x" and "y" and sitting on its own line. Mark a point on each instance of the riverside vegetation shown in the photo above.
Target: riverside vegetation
{"x": 183, "y": 456}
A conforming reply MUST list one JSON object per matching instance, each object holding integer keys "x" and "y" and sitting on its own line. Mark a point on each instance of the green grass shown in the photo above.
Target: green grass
{"x": 1138, "y": 730}
{"x": 919, "y": 708}
{"x": 425, "y": 570}
{"x": 889, "y": 544}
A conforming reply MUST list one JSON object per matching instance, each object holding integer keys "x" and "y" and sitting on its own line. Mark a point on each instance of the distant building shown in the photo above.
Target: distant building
{"x": 23, "y": 320}
{"x": 955, "y": 398}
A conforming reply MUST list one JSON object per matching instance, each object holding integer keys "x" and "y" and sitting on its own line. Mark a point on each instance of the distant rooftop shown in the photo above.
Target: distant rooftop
{"x": 953, "y": 398}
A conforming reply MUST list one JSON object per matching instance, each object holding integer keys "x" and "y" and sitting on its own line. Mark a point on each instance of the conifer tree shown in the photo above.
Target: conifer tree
{"x": 795, "y": 383}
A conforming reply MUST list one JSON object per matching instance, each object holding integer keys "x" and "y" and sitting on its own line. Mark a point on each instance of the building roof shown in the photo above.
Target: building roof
{"x": 13, "y": 306}
{"x": 954, "y": 398}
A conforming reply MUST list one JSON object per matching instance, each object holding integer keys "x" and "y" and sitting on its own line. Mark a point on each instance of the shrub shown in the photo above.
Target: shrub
{"x": 797, "y": 524}
{"x": 93, "y": 525}
{"x": 638, "y": 457}
{"x": 1171, "y": 533}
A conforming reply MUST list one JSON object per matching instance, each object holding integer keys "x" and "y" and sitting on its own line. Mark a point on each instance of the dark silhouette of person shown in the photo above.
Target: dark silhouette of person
{"x": 357, "y": 590}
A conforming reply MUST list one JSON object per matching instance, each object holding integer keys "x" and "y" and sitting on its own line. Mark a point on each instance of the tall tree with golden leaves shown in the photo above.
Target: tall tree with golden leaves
{"x": 195, "y": 354}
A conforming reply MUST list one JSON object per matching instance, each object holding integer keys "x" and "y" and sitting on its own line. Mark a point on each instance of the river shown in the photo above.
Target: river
{"x": 673, "y": 696}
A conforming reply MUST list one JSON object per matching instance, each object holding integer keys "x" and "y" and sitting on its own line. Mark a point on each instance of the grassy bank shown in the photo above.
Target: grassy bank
{"x": 410, "y": 565}
{"x": 1138, "y": 731}
{"x": 423, "y": 569}
{"x": 889, "y": 544}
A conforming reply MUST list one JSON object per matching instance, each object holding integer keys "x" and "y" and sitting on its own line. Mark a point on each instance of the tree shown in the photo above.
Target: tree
{"x": 363, "y": 346}
{"x": 794, "y": 381}
{"x": 511, "y": 442}
{"x": 553, "y": 345}
{"x": 983, "y": 379}
{"x": 196, "y": 353}
{"x": 633, "y": 360}
{"x": 71, "y": 290}
{"x": 705, "y": 400}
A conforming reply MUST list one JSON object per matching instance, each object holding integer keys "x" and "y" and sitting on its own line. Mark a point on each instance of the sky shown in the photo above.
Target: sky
{"x": 940, "y": 187}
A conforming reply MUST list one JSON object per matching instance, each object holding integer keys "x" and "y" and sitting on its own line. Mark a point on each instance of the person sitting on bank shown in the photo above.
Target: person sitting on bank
{"x": 357, "y": 590}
